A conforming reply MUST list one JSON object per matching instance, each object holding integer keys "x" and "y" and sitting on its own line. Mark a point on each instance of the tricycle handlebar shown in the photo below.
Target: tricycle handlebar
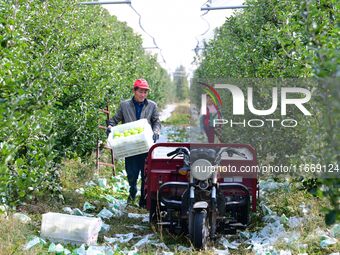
{"x": 180, "y": 150}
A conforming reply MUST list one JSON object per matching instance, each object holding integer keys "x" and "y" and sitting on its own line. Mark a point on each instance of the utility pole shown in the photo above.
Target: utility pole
{"x": 208, "y": 8}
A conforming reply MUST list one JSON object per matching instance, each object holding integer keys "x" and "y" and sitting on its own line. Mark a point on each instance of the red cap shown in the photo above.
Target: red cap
{"x": 141, "y": 83}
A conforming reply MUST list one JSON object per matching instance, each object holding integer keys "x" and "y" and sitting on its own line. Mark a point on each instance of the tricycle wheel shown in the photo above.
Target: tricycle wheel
{"x": 200, "y": 231}
{"x": 154, "y": 212}
{"x": 244, "y": 212}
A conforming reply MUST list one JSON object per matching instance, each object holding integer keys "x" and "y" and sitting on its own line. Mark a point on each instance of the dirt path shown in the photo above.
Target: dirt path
{"x": 166, "y": 112}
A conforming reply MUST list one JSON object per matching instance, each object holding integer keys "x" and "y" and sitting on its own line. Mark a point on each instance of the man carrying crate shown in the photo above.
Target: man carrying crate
{"x": 138, "y": 107}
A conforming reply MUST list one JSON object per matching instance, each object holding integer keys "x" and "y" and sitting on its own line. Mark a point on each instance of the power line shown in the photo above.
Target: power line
{"x": 140, "y": 23}
{"x": 106, "y": 2}
{"x": 153, "y": 39}
{"x": 208, "y": 8}
{"x": 197, "y": 48}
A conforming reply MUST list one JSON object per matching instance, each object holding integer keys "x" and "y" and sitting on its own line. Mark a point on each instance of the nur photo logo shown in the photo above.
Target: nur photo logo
{"x": 284, "y": 97}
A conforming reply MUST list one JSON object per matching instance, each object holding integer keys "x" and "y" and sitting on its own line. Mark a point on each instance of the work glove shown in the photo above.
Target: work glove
{"x": 155, "y": 137}
{"x": 108, "y": 131}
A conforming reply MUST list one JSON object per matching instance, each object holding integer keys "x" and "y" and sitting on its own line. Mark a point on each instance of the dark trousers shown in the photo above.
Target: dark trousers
{"x": 210, "y": 132}
{"x": 135, "y": 165}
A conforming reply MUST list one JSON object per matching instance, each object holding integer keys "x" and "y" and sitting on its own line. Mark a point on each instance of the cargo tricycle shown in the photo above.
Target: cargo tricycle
{"x": 201, "y": 190}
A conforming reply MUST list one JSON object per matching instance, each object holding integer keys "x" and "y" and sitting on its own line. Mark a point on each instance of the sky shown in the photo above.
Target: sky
{"x": 175, "y": 25}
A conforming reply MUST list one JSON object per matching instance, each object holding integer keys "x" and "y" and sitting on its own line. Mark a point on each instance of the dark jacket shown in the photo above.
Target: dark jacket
{"x": 127, "y": 113}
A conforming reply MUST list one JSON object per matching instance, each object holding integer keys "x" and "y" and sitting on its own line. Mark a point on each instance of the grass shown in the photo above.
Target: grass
{"x": 14, "y": 235}
{"x": 289, "y": 203}
{"x": 180, "y": 116}
{"x": 75, "y": 173}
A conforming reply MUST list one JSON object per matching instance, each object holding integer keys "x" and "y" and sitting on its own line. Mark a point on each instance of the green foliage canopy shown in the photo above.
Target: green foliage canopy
{"x": 59, "y": 63}
{"x": 181, "y": 83}
{"x": 279, "y": 40}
